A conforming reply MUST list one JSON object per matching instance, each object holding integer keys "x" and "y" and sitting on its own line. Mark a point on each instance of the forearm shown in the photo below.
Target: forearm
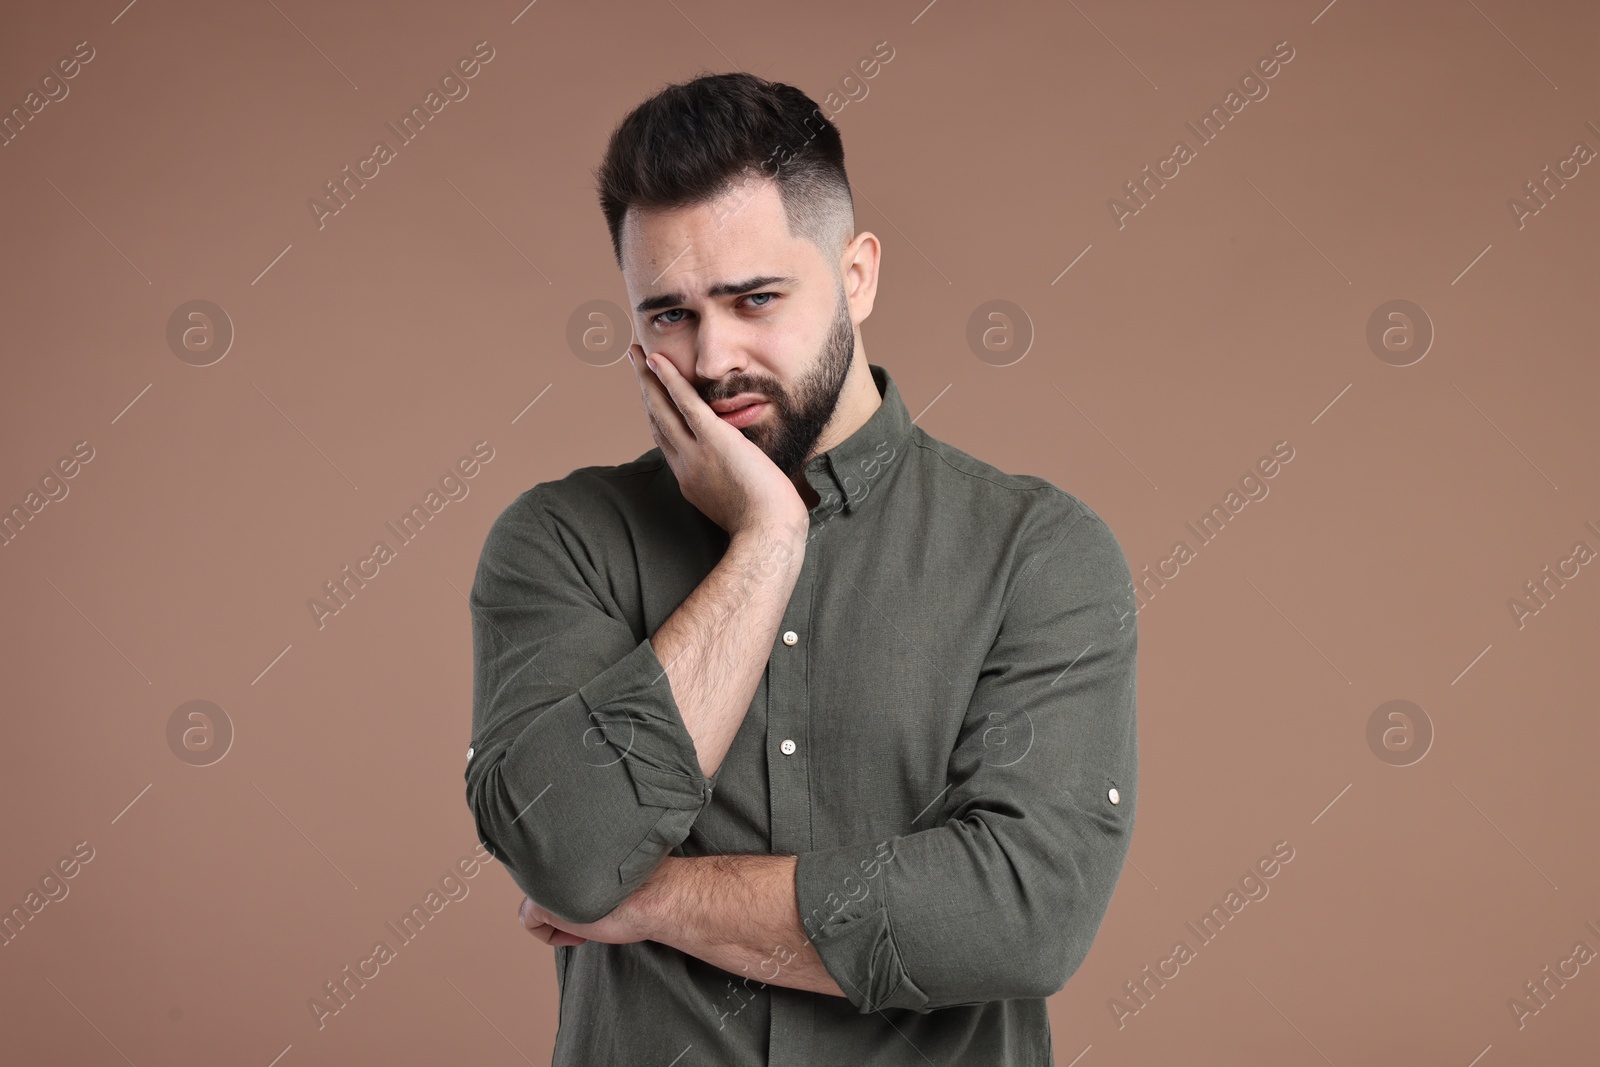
{"x": 738, "y": 912}
{"x": 715, "y": 646}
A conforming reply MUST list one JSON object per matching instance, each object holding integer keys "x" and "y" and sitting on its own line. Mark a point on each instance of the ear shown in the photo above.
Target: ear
{"x": 858, "y": 267}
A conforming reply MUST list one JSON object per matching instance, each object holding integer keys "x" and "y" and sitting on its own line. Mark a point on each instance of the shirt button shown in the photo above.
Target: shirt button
{"x": 1116, "y": 797}
{"x": 787, "y": 747}
{"x": 790, "y": 637}
{"x": 469, "y": 752}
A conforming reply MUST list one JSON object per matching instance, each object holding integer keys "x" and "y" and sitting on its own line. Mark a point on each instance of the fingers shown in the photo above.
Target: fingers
{"x": 531, "y": 918}
{"x": 666, "y": 422}
{"x": 687, "y": 402}
{"x": 557, "y": 937}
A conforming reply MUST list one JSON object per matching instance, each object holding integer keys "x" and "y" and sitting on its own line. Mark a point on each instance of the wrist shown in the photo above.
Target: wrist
{"x": 655, "y": 898}
{"x": 774, "y": 545}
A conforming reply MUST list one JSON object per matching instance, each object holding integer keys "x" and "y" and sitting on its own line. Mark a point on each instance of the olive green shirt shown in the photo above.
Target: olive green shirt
{"x": 944, "y": 736}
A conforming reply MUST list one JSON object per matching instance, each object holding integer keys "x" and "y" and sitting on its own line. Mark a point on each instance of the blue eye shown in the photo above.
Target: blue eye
{"x": 662, "y": 320}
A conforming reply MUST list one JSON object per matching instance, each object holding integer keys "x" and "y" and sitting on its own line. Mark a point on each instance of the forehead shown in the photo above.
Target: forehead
{"x": 742, "y": 233}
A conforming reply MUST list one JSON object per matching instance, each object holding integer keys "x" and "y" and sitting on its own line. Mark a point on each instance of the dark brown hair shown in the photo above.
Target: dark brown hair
{"x": 692, "y": 142}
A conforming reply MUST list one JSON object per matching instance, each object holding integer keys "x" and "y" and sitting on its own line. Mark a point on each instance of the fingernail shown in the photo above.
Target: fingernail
{"x": 649, "y": 361}
{"x": 630, "y": 357}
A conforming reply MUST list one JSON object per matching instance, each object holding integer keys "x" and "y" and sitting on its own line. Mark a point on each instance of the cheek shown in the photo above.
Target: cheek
{"x": 681, "y": 354}
{"x": 787, "y": 351}
{"x": 794, "y": 343}
{"x": 804, "y": 336}
{"x": 676, "y": 347}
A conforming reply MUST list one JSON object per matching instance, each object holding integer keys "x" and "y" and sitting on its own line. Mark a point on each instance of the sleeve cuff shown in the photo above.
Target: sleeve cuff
{"x": 638, "y": 716}
{"x": 844, "y": 909}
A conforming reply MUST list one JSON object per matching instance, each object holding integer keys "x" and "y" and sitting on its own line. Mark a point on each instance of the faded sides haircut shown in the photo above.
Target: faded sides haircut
{"x": 722, "y": 133}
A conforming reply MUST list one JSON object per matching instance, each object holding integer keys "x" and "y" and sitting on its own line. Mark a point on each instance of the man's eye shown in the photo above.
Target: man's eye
{"x": 662, "y": 320}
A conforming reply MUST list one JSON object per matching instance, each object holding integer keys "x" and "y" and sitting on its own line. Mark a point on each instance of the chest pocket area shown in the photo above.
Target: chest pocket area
{"x": 888, "y": 700}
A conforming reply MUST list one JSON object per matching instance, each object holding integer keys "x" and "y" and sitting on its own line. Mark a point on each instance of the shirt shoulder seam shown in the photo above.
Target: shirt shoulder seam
{"x": 557, "y": 490}
{"x": 931, "y": 444}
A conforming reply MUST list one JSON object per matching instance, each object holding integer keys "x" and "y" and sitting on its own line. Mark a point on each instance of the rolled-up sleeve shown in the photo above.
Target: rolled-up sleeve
{"x": 582, "y": 775}
{"x": 1002, "y": 896}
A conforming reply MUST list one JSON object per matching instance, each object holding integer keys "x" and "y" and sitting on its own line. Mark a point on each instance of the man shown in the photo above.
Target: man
{"x": 809, "y": 737}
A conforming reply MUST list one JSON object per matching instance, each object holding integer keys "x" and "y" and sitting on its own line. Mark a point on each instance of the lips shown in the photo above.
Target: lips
{"x": 724, "y": 407}
{"x": 744, "y": 414}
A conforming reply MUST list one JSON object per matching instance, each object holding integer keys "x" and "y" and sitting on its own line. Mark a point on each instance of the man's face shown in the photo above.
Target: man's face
{"x": 744, "y": 309}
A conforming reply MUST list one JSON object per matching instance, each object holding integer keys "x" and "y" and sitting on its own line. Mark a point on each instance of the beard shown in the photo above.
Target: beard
{"x": 799, "y": 415}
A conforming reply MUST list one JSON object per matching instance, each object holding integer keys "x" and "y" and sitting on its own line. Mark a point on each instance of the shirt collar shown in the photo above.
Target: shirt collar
{"x": 844, "y": 476}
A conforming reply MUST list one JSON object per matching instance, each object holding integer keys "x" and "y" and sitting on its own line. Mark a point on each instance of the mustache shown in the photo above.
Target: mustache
{"x": 727, "y": 389}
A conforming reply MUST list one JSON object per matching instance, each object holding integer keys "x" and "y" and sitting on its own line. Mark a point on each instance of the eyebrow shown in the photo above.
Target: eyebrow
{"x": 666, "y": 300}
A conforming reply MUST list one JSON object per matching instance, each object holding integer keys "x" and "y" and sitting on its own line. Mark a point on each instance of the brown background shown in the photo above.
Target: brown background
{"x": 1228, "y": 315}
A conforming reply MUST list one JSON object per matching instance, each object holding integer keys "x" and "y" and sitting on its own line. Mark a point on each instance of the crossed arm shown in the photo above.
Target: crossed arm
{"x": 673, "y": 703}
{"x": 736, "y": 912}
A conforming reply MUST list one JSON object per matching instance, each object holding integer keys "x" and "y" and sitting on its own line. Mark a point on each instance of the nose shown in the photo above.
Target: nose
{"x": 720, "y": 345}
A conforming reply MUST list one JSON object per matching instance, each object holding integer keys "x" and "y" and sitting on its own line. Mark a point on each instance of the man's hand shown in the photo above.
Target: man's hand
{"x": 635, "y": 919}
{"x": 719, "y": 470}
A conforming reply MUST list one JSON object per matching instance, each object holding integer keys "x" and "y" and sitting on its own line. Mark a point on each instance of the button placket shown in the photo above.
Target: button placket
{"x": 788, "y": 716}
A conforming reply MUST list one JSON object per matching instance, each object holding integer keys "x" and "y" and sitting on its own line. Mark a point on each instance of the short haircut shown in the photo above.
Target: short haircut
{"x": 695, "y": 141}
